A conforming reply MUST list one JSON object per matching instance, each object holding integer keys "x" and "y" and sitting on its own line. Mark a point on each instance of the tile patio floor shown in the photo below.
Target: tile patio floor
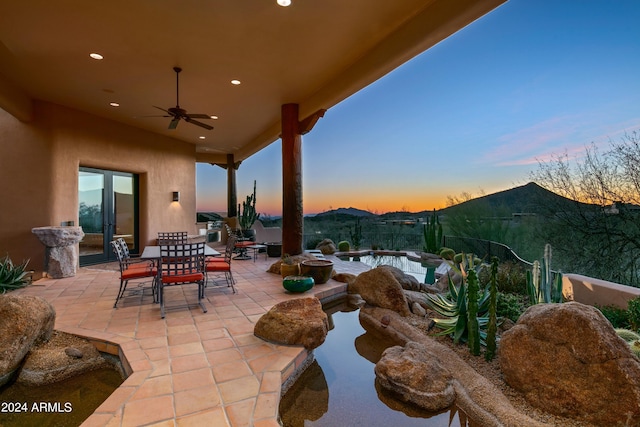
{"x": 191, "y": 368}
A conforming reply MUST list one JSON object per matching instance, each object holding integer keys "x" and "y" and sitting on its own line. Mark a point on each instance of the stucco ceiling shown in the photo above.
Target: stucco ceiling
{"x": 314, "y": 53}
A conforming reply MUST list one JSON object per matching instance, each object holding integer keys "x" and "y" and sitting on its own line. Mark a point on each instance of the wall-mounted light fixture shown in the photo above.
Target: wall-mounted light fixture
{"x": 176, "y": 196}
{"x": 284, "y": 3}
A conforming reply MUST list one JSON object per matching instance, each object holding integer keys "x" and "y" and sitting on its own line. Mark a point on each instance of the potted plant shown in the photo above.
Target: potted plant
{"x": 249, "y": 215}
{"x": 288, "y": 267}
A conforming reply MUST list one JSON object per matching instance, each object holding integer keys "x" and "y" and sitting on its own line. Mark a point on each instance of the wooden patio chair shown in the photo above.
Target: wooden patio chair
{"x": 181, "y": 265}
{"x": 132, "y": 268}
{"x": 223, "y": 265}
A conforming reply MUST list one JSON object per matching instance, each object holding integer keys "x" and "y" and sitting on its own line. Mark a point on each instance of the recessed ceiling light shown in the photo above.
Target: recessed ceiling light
{"x": 235, "y": 82}
{"x": 284, "y": 3}
{"x": 96, "y": 56}
{"x": 202, "y": 137}
{"x": 214, "y": 117}
{"x": 114, "y": 104}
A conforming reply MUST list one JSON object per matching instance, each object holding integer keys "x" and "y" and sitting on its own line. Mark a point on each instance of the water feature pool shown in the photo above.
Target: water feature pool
{"x": 340, "y": 389}
{"x": 415, "y": 268}
{"x": 63, "y": 404}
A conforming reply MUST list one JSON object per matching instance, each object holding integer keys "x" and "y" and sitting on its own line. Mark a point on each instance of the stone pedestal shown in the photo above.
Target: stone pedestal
{"x": 61, "y": 256}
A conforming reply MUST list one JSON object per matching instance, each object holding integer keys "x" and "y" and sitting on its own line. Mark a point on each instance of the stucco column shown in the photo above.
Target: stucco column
{"x": 292, "y": 215}
{"x": 232, "y": 192}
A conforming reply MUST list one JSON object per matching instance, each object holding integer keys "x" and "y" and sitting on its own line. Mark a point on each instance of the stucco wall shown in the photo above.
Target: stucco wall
{"x": 39, "y": 164}
{"x": 587, "y": 290}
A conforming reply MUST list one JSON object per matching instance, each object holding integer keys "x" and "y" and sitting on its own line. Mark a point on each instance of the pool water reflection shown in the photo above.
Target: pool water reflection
{"x": 339, "y": 388}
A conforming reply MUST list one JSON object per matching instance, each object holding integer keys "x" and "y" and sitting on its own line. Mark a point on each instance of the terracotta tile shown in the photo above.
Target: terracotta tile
{"x": 146, "y": 411}
{"x": 189, "y": 363}
{"x": 228, "y": 371}
{"x": 223, "y": 356}
{"x": 196, "y": 400}
{"x": 152, "y": 387}
{"x": 241, "y": 414}
{"x": 266, "y": 406}
{"x": 186, "y": 349}
{"x": 218, "y": 344}
{"x": 192, "y": 379}
{"x": 214, "y": 417}
{"x": 239, "y": 389}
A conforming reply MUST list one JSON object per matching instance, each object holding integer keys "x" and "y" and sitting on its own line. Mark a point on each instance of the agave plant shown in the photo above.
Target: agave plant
{"x": 453, "y": 309}
{"x": 13, "y": 276}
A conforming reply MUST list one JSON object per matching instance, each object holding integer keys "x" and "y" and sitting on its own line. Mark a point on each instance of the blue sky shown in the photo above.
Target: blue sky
{"x": 473, "y": 114}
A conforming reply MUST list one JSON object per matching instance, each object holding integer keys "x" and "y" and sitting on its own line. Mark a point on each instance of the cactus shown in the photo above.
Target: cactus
{"x": 356, "y": 234}
{"x": 635, "y": 347}
{"x": 627, "y": 334}
{"x": 432, "y": 231}
{"x": 249, "y": 215}
{"x": 453, "y": 309}
{"x": 472, "y": 314}
{"x": 344, "y": 246}
{"x": 447, "y": 253}
{"x": 543, "y": 286}
{"x": 492, "y": 327}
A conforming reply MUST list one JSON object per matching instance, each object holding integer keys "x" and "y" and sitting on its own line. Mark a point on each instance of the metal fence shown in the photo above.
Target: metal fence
{"x": 484, "y": 249}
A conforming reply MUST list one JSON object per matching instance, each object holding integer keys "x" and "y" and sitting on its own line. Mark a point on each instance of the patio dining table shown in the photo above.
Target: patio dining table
{"x": 153, "y": 252}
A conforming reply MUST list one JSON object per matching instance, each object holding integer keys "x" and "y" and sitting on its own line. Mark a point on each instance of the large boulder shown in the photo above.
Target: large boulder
{"x": 327, "y": 247}
{"x": 62, "y": 357}
{"x": 407, "y": 281}
{"x": 379, "y": 288}
{"x": 24, "y": 321}
{"x": 298, "y": 321}
{"x": 568, "y": 360}
{"x": 417, "y": 376}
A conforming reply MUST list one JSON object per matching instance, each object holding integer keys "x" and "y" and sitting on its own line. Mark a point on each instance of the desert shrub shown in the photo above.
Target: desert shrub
{"x": 633, "y": 308}
{"x": 313, "y": 243}
{"x": 511, "y": 278}
{"x": 13, "y": 276}
{"x": 510, "y": 306}
{"x": 619, "y": 317}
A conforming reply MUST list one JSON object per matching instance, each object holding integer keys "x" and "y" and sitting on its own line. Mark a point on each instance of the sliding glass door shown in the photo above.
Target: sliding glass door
{"x": 108, "y": 209}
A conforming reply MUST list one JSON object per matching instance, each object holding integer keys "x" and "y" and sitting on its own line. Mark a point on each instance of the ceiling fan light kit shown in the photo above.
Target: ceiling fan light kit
{"x": 176, "y": 113}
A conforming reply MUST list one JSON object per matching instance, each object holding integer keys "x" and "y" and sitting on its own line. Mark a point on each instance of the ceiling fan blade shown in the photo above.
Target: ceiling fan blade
{"x": 162, "y": 109}
{"x": 174, "y": 123}
{"x": 197, "y": 123}
{"x": 198, "y": 116}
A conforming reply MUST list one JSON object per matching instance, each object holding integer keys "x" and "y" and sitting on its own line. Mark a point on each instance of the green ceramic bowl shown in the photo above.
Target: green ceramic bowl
{"x": 298, "y": 283}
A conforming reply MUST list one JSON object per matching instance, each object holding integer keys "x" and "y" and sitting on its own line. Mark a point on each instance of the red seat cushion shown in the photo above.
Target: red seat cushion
{"x": 218, "y": 266}
{"x": 179, "y": 278}
{"x": 135, "y": 273}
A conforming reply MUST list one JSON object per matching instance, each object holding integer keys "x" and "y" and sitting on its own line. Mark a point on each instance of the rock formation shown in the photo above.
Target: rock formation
{"x": 24, "y": 321}
{"x": 298, "y": 321}
{"x": 327, "y": 247}
{"x": 568, "y": 360}
{"x": 417, "y": 376}
{"x": 379, "y": 288}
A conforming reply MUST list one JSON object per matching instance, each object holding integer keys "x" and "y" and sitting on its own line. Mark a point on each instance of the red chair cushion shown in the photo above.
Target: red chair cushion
{"x": 179, "y": 278}
{"x": 218, "y": 266}
{"x": 135, "y": 273}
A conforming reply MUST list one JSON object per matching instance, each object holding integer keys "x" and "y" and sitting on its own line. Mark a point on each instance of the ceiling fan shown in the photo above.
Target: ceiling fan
{"x": 176, "y": 113}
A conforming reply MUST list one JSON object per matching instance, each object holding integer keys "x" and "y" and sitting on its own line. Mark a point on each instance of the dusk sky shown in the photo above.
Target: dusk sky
{"x": 473, "y": 114}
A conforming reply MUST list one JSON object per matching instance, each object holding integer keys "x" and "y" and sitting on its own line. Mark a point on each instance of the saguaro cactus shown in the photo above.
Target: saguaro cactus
{"x": 249, "y": 214}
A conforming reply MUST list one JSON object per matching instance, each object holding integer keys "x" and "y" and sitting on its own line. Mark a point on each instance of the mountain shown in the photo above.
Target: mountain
{"x": 526, "y": 199}
{"x": 346, "y": 211}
